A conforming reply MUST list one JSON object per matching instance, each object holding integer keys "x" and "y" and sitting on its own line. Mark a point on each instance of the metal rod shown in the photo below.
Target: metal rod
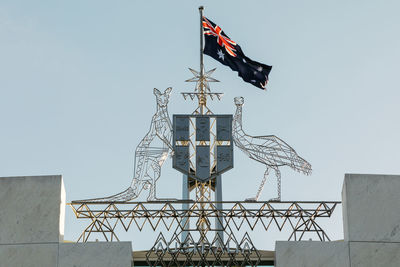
{"x": 201, "y": 41}
{"x": 202, "y": 103}
{"x": 185, "y": 206}
{"x": 202, "y": 98}
{"x": 219, "y": 225}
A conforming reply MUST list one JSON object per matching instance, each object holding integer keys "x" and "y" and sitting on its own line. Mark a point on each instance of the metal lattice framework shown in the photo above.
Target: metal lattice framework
{"x": 268, "y": 150}
{"x": 214, "y": 252}
{"x": 150, "y": 154}
{"x": 299, "y": 217}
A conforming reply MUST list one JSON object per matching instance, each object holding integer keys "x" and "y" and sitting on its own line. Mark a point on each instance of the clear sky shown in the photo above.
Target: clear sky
{"x": 77, "y": 79}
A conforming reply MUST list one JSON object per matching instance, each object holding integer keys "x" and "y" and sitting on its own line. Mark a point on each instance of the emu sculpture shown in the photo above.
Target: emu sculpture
{"x": 268, "y": 150}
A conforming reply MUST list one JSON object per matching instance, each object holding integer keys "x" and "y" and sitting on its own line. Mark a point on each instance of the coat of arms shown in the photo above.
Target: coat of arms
{"x": 202, "y": 145}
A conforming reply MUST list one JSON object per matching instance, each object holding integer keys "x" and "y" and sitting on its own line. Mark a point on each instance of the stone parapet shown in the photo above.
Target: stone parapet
{"x": 32, "y": 209}
{"x": 95, "y": 254}
{"x": 32, "y": 214}
{"x": 29, "y": 255}
{"x": 337, "y": 254}
{"x": 371, "y": 223}
{"x": 371, "y": 207}
{"x": 311, "y": 253}
{"x": 373, "y": 254}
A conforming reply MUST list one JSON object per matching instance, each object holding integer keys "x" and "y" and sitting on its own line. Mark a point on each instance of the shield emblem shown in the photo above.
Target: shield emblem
{"x": 202, "y": 145}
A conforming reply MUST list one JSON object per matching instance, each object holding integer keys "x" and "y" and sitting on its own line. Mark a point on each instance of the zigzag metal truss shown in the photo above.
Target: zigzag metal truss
{"x": 268, "y": 150}
{"x": 203, "y": 246}
{"x": 209, "y": 253}
{"x": 300, "y": 217}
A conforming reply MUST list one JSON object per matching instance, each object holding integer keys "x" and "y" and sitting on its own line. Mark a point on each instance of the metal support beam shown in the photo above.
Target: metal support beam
{"x": 218, "y": 199}
{"x": 185, "y": 205}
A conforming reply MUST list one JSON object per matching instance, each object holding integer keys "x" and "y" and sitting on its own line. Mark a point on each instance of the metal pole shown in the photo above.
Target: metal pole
{"x": 202, "y": 104}
{"x": 202, "y": 97}
{"x": 201, "y": 41}
{"x": 185, "y": 207}
{"x": 219, "y": 219}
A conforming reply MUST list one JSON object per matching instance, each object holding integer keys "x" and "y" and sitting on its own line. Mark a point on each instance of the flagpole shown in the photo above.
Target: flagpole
{"x": 202, "y": 104}
{"x": 202, "y": 99}
{"x": 201, "y": 41}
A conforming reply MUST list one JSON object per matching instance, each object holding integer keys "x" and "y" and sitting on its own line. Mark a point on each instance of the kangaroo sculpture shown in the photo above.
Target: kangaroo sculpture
{"x": 150, "y": 154}
{"x": 269, "y": 150}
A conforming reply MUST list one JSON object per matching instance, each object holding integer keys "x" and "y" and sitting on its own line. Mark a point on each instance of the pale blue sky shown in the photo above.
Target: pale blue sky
{"x": 76, "y": 81}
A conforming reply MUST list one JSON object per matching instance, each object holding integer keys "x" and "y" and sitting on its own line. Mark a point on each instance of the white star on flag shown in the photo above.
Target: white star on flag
{"x": 221, "y": 54}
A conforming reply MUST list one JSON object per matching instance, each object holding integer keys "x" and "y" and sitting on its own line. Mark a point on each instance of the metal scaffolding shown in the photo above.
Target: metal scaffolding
{"x": 300, "y": 218}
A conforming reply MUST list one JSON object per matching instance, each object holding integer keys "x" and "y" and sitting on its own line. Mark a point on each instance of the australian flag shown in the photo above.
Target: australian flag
{"x": 219, "y": 46}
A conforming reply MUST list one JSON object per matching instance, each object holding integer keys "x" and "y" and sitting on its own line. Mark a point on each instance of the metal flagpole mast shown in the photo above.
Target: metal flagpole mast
{"x": 202, "y": 103}
{"x": 201, "y": 41}
{"x": 203, "y": 97}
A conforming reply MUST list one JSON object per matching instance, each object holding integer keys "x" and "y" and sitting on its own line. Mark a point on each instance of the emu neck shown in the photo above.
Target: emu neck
{"x": 238, "y": 118}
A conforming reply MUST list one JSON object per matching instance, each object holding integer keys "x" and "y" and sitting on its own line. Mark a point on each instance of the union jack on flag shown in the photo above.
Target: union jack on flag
{"x": 222, "y": 39}
{"x": 220, "y": 47}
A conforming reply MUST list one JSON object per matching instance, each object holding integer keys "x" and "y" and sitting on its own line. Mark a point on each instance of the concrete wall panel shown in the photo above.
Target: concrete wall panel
{"x": 311, "y": 254}
{"x": 29, "y": 255}
{"x": 31, "y": 209}
{"x": 95, "y": 254}
{"x": 371, "y": 207}
{"x": 373, "y": 254}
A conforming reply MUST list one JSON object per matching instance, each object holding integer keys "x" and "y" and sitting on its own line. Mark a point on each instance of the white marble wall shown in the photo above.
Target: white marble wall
{"x": 32, "y": 214}
{"x": 371, "y": 207}
{"x": 311, "y": 254}
{"x": 96, "y": 254}
{"x": 337, "y": 254}
{"x": 373, "y": 254}
{"x": 29, "y": 255}
{"x": 31, "y": 209}
{"x": 371, "y": 223}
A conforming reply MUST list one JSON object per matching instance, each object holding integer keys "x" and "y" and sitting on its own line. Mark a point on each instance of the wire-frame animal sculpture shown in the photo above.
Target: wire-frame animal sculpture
{"x": 150, "y": 154}
{"x": 268, "y": 150}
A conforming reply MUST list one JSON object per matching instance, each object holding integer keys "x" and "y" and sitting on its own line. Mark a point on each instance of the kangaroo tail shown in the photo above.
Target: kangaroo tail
{"x": 129, "y": 194}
